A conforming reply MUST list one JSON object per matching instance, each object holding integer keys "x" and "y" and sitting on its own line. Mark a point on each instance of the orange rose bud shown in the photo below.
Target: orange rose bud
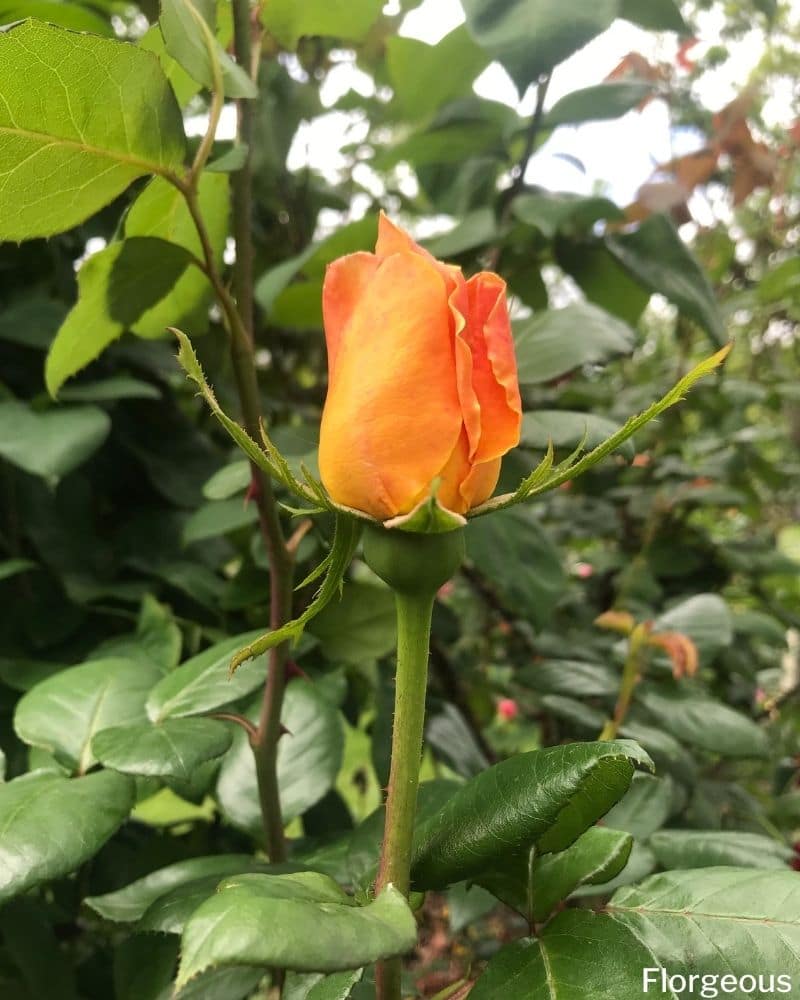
{"x": 422, "y": 380}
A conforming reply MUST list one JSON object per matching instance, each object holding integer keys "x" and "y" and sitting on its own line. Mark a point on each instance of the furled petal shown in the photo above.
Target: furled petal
{"x": 392, "y": 416}
{"x": 345, "y": 282}
{"x": 462, "y": 485}
{"x": 494, "y": 367}
{"x": 393, "y": 239}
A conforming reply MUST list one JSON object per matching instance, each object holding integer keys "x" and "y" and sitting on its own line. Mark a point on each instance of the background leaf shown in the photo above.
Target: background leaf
{"x": 111, "y": 117}
{"x": 90, "y": 809}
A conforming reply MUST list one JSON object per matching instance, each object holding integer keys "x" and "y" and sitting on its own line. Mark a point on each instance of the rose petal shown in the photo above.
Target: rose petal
{"x": 462, "y": 485}
{"x": 345, "y": 282}
{"x": 494, "y": 366}
{"x": 392, "y": 416}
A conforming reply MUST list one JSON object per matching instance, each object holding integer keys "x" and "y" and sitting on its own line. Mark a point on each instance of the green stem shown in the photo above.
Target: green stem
{"x": 414, "y": 613}
{"x": 631, "y": 675}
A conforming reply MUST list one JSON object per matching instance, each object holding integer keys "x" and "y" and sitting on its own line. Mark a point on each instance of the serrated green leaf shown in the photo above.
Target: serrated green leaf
{"x": 644, "y": 808}
{"x": 705, "y": 848}
{"x": 128, "y": 905}
{"x": 219, "y": 517}
{"x": 559, "y": 340}
{"x": 545, "y": 798}
{"x": 535, "y": 886}
{"x": 117, "y": 289}
{"x": 63, "y": 713}
{"x": 656, "y": 256}
{"x": 303, "y": 922}
{"x": 203, "y": 682}
{"x": 703, "y": 722}
{"x": 716, "y": 920}
{"x": 579, "y": 955}
{"x": 174, "y": 748}
{"x": 550, "y": 213}
{"x": 32, "y": 849}
{"x": 161, "y": 212}
{"x": 309, "y": 759}
{"x": 82, "y": 117}
{"x": 567, "y": 428}
{"x": 525, "y": 568}
{"x": 188, "y": 27}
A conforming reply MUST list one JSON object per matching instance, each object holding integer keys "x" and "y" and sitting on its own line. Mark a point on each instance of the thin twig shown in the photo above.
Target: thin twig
{"x": 240, "y": 720}
{"x": 237, "y": 312}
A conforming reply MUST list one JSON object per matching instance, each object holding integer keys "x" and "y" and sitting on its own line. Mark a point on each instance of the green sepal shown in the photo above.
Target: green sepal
{"x": 268, "y": 459}
{"x": 545, "y": 477}
{"x": 429, "y": 517}
{"x": 345, "y": 540}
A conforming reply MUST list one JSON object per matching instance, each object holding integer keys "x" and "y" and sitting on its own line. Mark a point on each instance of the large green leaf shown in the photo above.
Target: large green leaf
{"x": 174, "y": 748}
{"x": 204, "y": 682}
{"x": 53, "y": 442}
{"x": 313, "y": 986}
{"x": 188, "y": 27}
{"x": 578, "y": 956}
{"x": 559, "y": 340}
{"x": 658, "y": 259}
{"x": 309, "y": 758}
{"x": 303, "y": 922}
{"x": 63, "y": 713}
{"x": 117, "y": 288}
{"x": 694, "y": 718}
{"x": 161, "y": 212}
{"x": 535, "y": 886}
{"x": 553, "y": 212}
{"x": 424, "y": 76}
{"x": 128, "y": 905}
{"x": 545, "y": 799}
{"x": 530, "y": 37}
{"x": 81, "y": 118}
{"x": 524, "y": 566}
{"x": 182, "y": 84}
{"x": 704, "y": 848}
{"x": 289, "y": 21}
{"x": 49, "y": 825}
{"x": 66, "y": 15}
{"x": 601, "y": 102}
{"x": 712, "y": 922}
{"x": 644, "y": 808}
{"x": 716, "y": 920}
